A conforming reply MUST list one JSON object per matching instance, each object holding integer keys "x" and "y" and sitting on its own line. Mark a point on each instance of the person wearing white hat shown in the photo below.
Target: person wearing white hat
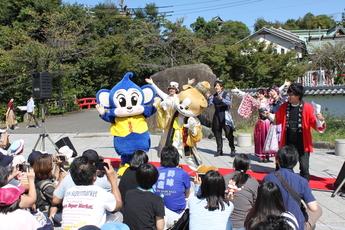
{"x": 165, "y": 108}
{"x": 15, "y": 150}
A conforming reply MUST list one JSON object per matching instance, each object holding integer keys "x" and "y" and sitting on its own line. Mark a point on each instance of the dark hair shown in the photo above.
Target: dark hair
{"x": 3, "y": 176}
{"x": 274, "y": 223}
{"x": 43, "y": 167}
{"x": 170, "y": 156}
{"x": 269, "y": 202}
{"x": 297, "y": 89}
{"x": 10, "y": 208}
{"x": 242, "y": 164}
{"x": 262, "y": 91}
{"x": 146, "y": 175}
{"x": 82, "y": 171}
{"x": 213, "y": 190}
{"x": 219, "y": 82}
{"x": 287, "y": 157}
{"x": 139, "y": 157}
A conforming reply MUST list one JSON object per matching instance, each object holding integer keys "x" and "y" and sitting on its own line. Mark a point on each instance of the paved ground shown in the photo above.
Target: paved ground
{"x": 87, "y": 131}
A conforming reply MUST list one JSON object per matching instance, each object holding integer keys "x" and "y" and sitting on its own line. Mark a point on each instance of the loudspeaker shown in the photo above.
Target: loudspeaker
{"x": 66, "y": 141}
{"x": 42, "y": 85}
{"x": 340, "y": 177}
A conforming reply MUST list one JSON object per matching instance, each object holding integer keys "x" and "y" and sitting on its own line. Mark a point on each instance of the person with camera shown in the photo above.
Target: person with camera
{"x": 86, "y": 203}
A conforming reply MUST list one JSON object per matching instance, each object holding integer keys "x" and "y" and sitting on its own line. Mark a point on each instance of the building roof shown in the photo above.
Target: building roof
{"x": 310, "y": 90}
{"x": 281, "y": 33}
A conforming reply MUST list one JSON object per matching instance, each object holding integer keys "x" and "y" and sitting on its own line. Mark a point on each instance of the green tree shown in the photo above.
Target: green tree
{"x": 252, "y": 64}
{"x": 260, "y": 23}
{"x": 330, "y": 56}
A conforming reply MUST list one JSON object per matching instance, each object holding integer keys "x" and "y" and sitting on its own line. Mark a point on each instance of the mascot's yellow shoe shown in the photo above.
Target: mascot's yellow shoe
{"x": 122, "y": 169}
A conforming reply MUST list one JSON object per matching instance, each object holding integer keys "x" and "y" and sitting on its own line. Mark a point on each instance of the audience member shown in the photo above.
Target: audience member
{"x": 241, "y": 189}
{"x": 16, "y": 149}
{"x": 269, "y": 203}
{"x": 12, "y": 217}
{"x": 209, "y": 209}
{"x": 142, "y": 208}
{"x": 287, "y": 160}
{"x": 86, "y": 203}
{"x": 128, "y": 180}
{"x": 274, "y": 223}
{"x": 173, "y": 185}
{"x": 25, "y": 201}
{"x": 4, "y": 144}
{"x": 67, "y": 182}
{"x": 45, "y": 182}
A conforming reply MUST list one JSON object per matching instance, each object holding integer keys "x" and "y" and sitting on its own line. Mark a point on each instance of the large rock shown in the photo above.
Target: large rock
{"x": 201, "y": 72}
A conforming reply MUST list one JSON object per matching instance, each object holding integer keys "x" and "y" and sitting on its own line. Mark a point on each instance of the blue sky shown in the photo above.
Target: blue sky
{"x": 246, "y": 11}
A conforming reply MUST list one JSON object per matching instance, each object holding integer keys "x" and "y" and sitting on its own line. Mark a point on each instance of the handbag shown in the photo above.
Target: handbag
{"x": 294, "y": 195}
{"x": 271, "y": 143}
{"x": 182, "y": 223}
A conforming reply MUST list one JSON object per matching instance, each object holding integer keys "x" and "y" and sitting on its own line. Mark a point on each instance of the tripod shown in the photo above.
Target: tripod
{"x": 44, "y": 134}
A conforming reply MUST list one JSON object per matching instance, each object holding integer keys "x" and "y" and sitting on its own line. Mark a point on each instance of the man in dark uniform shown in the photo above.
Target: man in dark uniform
{"x": 221, "y": 101}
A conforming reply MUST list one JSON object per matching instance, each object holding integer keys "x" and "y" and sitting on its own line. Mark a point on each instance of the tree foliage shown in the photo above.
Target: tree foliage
{"x": 87, "y": 49}
{"x": 307, "y": 22}
{"x": 330, "y": 56}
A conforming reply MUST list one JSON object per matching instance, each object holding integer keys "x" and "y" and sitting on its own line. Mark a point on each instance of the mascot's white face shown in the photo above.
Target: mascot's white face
{"x": 128, "y": 102}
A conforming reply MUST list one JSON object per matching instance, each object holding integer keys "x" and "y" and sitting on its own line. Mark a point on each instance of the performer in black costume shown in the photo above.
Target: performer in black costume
{"x": 221, "y": 101}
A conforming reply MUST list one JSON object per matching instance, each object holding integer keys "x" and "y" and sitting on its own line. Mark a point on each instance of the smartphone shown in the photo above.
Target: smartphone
{"x": 62, "y": 158}
{"x": 100, "y": 165}
{"x": 23, "y": 167}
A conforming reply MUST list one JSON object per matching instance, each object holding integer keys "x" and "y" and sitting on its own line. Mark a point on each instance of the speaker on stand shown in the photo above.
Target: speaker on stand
{"x": 42, "y": 89}
{"x": 42, "y": 85}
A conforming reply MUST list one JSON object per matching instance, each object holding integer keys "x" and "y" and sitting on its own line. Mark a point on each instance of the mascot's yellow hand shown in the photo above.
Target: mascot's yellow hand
{"x": 100, "y": 109}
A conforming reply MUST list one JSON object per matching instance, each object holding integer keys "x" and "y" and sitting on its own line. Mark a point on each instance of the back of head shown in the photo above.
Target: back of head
{"x": 287, "y": 157}
{"x": 273, "y": 223}
{"x": 146, "y": 175}
{"x": 92, "y": 155}
{"x": 297, "y": 89}
{"x": 169, "y": 156}
{"x": 43, "y": 166}
{"x": 269, "y": 202}
{"x": 32, "y": 157}
{"x": 83, "y": 171}
{"x": 139, "y": 157}
{"x": 241, "y": 164}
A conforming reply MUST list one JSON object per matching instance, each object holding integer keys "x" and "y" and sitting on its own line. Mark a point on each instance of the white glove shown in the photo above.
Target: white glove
{"x": 191, "y": 125}
{"x": 191, "y": 81}
{"x": 100, "y": 109}
{"x": 149, "y": 81}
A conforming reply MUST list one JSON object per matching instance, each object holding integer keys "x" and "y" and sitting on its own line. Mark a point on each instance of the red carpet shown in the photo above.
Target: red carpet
{"x": 320, "y": 183}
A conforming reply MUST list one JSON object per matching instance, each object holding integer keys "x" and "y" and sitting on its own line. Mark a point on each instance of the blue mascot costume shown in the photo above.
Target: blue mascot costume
{"x": 125, "y": 107}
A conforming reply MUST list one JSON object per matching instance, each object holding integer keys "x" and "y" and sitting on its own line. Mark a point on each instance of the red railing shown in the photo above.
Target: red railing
{"x": 86, "y": 102}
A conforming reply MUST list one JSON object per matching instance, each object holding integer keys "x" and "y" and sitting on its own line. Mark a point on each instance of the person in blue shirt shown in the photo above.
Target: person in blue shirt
{"x": 287, "y": 160}
{"x": 173, "y": 185}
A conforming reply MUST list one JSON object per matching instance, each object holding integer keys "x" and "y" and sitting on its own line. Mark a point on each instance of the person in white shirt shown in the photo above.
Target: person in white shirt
{"x": 30, "y": 108}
